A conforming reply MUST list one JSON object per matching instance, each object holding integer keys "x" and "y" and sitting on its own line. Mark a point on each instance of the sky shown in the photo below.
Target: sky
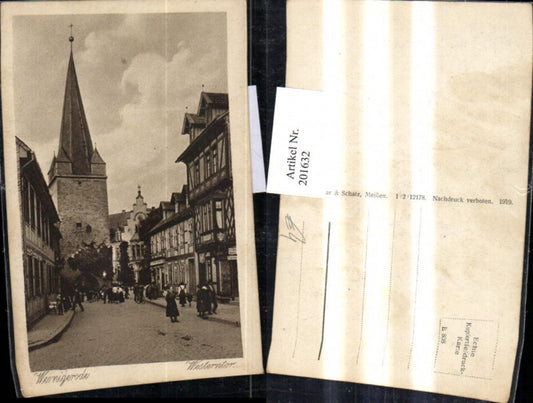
{"x": 137, "y": 75}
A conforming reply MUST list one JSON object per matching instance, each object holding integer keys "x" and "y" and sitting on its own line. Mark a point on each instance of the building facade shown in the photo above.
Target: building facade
{"x": 77, "y": 176}
{"x": 124, "y": 227}
{"x": 209, "y": 177}
{"x": 172, "y": 244}
{"x": 40, "y": 236}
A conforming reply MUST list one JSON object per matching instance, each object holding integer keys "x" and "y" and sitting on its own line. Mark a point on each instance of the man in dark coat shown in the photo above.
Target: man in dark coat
{"x": 202, "y": 301}
{"x": 136, "y": 292}
{"x": 76, "y": 300}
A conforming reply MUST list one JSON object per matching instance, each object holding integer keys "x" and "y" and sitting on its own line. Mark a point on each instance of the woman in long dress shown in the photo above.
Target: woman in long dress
{"x": 172, "y": 307}
{"x": 182, "y": 294}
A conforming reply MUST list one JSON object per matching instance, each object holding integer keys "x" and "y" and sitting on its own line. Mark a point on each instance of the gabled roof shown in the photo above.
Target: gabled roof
{"x": 164, "y": 205}
{"x": 118, "y": 220}
{"x": 216, "y": 98}
{"x": 204, "y": 138}
{"x": 177, "y": 197}
{"x": 195, "y": 119}
{"x": 187, "y": 213}
{"x": 191, "y": 119}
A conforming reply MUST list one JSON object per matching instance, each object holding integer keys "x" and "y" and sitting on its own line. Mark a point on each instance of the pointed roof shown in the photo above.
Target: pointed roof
{"x": 96, "y": 158}
{"x": 75, "y": 142}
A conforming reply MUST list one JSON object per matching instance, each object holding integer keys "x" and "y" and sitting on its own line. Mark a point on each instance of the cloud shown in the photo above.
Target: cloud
{"x": 137, "y": 73}
{"x": 143, "y": 148}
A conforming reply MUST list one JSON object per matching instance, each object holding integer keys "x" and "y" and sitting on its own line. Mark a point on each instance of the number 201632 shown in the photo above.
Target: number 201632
{"x": 305, "y": 159}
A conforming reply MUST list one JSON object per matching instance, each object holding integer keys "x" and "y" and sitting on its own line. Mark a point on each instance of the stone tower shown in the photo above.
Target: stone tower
{"x": 77, "y": 176}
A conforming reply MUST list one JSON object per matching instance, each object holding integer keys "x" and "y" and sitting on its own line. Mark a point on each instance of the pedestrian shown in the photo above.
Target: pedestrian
{"x": 189, "y": 298}
{"x": 136, "y": 292}
{"x": 59, "y": 302}
{"x": 141, "y": 294}
{"x": 66, "y": 303}
{"x": 77, "y": 300}
{"x": 172, "y": 308}
{"x": 182, "y": 295}
{"x": 120, "y": 294}
{"x": 202, "y": 301}
{"x": 107, "y": 295}
{"x": 213, "y": 302}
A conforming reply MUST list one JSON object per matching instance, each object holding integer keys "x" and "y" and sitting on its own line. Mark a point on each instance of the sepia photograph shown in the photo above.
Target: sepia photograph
{"x": 126, "y": 190}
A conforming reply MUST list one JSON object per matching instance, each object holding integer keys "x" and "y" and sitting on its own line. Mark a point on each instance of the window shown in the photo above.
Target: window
{"x": 45, "y": 229}
{"x": 186, "y": 234}
{"x": 32, "y": 208}
{"x": 215, "y": 162}
{"x": 37, "y": 268}
{"x": 30, "y": 277}
{"x": 25, "y": 200}
{"x": 196, "y": 173}
{"x": 209, "y": 216}
{"x": 202, "y": 169}
{"x": 38, "y": 218}
{"x": 218, "y": 214}
{"x": 190, "y": 174}
{"x": 50, "y": 282}
{"x": 222, "y": 153}
{"x": 206, "y": 218}
{"x": 78, "y": 225}
{"x": 207, "y": 164}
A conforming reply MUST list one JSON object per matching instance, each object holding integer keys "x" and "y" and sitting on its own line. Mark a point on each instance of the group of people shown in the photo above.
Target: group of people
{"x": 114, "y": 294}
{"x": 138, "y": 293}
{"x": 64, "y": 303}
{"x": 206, "y": 300}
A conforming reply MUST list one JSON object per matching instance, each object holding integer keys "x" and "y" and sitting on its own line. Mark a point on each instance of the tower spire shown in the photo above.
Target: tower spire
{"x": 75, "y": 143}
{"x": 71, "y": 38}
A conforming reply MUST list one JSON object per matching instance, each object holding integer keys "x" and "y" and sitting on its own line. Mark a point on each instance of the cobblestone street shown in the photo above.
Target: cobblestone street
{"x": 130, "y": 333}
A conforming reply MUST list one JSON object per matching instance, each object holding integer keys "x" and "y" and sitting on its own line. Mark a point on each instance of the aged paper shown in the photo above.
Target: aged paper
{"x": 408, "y": 271}
{"x": 154, "y": 115}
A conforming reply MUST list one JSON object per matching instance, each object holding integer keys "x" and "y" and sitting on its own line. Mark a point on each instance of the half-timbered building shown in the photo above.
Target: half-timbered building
{"x": 209, "y": 176}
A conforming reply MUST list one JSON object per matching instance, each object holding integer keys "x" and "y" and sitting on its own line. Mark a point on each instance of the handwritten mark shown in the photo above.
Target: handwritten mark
{"x": 295, "y": 234}
{"x": 325, "y": 294}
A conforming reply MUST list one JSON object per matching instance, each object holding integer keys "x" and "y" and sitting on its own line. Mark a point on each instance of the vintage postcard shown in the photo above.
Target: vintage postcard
{"x": 408, "y": 269}
{"x": 129, "y": 194}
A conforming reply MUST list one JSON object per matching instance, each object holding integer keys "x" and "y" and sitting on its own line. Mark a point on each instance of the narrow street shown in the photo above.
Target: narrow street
{"x": 131, "y": 333}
